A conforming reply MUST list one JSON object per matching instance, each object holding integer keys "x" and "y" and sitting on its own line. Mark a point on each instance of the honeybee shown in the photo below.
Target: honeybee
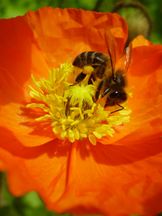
{"x": 111, "y": 81}
{"x": 97, "y": 60}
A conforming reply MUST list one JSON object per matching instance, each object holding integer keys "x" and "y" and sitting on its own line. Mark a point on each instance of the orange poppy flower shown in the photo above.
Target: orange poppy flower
{"x": 100, "y": 162}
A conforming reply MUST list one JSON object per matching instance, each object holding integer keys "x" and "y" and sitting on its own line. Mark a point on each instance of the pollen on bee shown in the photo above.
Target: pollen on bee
{"x": 88, "y": 69}
{"x": 70, "y": 109}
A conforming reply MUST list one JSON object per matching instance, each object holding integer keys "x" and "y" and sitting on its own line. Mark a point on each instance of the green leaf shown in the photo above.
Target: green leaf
{"x": 89, "y": 5}
{"x": 8, "y": 211}
{"x": 32, "y": 199}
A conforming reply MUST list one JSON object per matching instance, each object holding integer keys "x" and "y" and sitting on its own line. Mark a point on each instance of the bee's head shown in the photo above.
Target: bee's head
{"x": 116, "y": 96}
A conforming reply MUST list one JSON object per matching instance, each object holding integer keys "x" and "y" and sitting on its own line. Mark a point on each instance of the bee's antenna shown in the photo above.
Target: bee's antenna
{"x": 121, "y": 108}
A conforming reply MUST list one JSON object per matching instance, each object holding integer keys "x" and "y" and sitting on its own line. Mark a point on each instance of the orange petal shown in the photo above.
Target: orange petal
{"x": 104, "y": 179}
{"x": 19, "y": 58}
{"x": 12, "y": 118}
{"x": 38, "y": 168}
{"x": 15, "y": 55}
{"x": 108, "y": 179}
{"x": 140, "y": 41}
{"x": 144, "y": 81}
{"x": 63, "y": 34}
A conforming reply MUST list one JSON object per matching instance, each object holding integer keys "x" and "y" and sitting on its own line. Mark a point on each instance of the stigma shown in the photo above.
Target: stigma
{"x": 70, "y": 108}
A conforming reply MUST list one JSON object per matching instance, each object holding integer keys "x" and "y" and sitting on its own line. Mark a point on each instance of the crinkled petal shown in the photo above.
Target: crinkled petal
{"x": 108, "y": 179}
{"x": 103, "y": 179}
{"x": 63, "y": 34}
{"x": 41, "y": 168}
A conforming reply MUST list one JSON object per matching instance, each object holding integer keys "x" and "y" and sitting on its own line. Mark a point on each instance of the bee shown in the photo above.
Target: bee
{"x": 97, "y": 60}
{"x": 111, "y": 81}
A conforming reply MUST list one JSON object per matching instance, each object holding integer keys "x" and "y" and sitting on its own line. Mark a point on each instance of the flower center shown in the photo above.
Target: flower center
{"x": 71, "y": 109}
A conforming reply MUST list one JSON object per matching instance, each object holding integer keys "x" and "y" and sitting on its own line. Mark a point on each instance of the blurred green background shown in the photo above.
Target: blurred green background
{"x": 12, "y": 8}
{"x": 31, "y": 205}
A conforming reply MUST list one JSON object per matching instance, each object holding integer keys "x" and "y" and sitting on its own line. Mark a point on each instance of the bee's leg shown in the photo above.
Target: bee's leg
{"x": 91, "y": 79}
{"x": 121, "y": 108}
{"x": 80, "y": 77}
{"x": 98, "y": 90}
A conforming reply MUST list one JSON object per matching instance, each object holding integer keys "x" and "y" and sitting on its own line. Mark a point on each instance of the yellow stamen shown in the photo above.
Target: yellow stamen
{"x": 71, "y": 109}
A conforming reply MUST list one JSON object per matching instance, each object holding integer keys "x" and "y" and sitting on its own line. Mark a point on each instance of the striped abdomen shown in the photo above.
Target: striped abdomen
{"x": 95, "y": 59}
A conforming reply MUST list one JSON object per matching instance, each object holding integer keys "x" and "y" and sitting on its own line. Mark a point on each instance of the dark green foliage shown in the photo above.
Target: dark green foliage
{"x": 28, "y": 205}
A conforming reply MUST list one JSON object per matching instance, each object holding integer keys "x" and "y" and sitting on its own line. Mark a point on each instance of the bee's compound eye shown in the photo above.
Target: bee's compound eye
{"x": 120, "y": 95}
{"x": 115, "y": 94}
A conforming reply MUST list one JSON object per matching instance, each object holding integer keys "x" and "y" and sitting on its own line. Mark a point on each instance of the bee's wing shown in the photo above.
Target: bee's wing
{"x": 128, "y": 54}
{"x": 116, "y": 54}
{"x": 111, "y": 48}
{"x": 125, "y": 60}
